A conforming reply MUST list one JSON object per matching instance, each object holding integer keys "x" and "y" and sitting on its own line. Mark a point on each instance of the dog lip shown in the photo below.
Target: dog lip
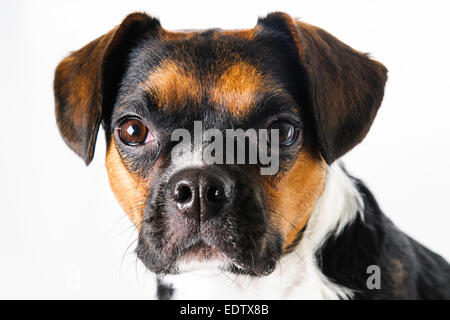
{"x": 200, "y": 251}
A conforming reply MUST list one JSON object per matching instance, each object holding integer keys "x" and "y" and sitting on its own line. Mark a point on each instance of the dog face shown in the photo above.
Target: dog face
{"x": 143, "y": 83}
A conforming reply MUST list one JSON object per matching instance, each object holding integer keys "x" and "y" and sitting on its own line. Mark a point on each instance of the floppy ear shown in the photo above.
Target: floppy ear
{"x": 86, "y": 81}
{"x": 344, "y": 87}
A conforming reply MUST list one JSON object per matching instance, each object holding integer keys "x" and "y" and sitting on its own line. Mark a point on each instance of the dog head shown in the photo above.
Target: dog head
{"x": 143, "y": 83}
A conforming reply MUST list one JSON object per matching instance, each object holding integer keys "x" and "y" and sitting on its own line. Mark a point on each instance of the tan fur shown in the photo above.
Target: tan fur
{"x": 238, "y": 88}
{"x": 176, "y": 35}
{"x": 401, "y": 275}
{"x": 130, "y": 190}
{"x": 172, "y": 85}
{"x": 295, "y": 194}
{"x": 247, "y": 34}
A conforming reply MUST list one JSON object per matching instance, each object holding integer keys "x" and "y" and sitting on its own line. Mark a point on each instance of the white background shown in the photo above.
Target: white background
{"x": 62, "y": 234}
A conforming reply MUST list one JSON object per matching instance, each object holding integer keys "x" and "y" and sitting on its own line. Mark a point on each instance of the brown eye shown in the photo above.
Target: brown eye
{"x": 134, "y": 132}
{"x": 287, "y": 132}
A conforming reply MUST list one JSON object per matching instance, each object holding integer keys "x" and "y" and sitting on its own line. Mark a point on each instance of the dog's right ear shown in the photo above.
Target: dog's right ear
{"x": 87, "y": 80}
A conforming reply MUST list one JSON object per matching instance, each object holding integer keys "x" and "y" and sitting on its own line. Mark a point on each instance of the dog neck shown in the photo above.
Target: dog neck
{"x": 297, "y": 275}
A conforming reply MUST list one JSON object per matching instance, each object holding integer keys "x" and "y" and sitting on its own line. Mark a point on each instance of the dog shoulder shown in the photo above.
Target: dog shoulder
{"x": 372, "y": 246}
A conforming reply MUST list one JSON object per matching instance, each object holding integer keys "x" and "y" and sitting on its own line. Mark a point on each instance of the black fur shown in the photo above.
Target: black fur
{"x": 408, "y": 269}
{"x": 164, "y": 291}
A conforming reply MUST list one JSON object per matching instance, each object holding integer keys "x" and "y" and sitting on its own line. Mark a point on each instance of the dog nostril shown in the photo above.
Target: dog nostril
{"x": 200, "y": 194}
{"x": 215, "y": 194}
{"x": 182, "y": 194}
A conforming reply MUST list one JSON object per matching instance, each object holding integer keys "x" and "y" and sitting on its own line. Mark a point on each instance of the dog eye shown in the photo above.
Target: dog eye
{"x": 287, "y": 132}
{"x": 134, "y": 132}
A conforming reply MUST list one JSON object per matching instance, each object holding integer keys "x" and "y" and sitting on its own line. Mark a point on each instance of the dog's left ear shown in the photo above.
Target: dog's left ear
{"x": 87, "y": 80}
{"x": 344, "y": 88}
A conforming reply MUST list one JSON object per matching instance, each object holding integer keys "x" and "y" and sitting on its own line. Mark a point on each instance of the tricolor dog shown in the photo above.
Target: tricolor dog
{"x": 227, "y": 228}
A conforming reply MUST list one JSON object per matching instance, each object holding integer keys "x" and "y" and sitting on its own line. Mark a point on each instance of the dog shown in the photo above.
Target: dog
{"x": 220, "y": 230}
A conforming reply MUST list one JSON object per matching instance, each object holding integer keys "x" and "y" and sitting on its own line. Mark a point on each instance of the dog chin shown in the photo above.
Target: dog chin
{"x": 202, "y": 258}
{"x": 207, "y": 268}
{"x": 215, "y": 265}
{"x": 206, "y": 260}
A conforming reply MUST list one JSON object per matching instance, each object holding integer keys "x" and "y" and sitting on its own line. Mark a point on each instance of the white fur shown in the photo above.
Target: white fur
{"x": 297, "y": 275}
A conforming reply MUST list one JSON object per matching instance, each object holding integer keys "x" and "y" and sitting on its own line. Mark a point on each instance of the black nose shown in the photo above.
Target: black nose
{"x": 201, "y": 193}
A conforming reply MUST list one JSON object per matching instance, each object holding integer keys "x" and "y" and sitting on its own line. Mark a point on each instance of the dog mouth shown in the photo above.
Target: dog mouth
{"x": 201, "y": 255}
{"x": 200, "y": 251}
{"x": 237, "y": 238}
